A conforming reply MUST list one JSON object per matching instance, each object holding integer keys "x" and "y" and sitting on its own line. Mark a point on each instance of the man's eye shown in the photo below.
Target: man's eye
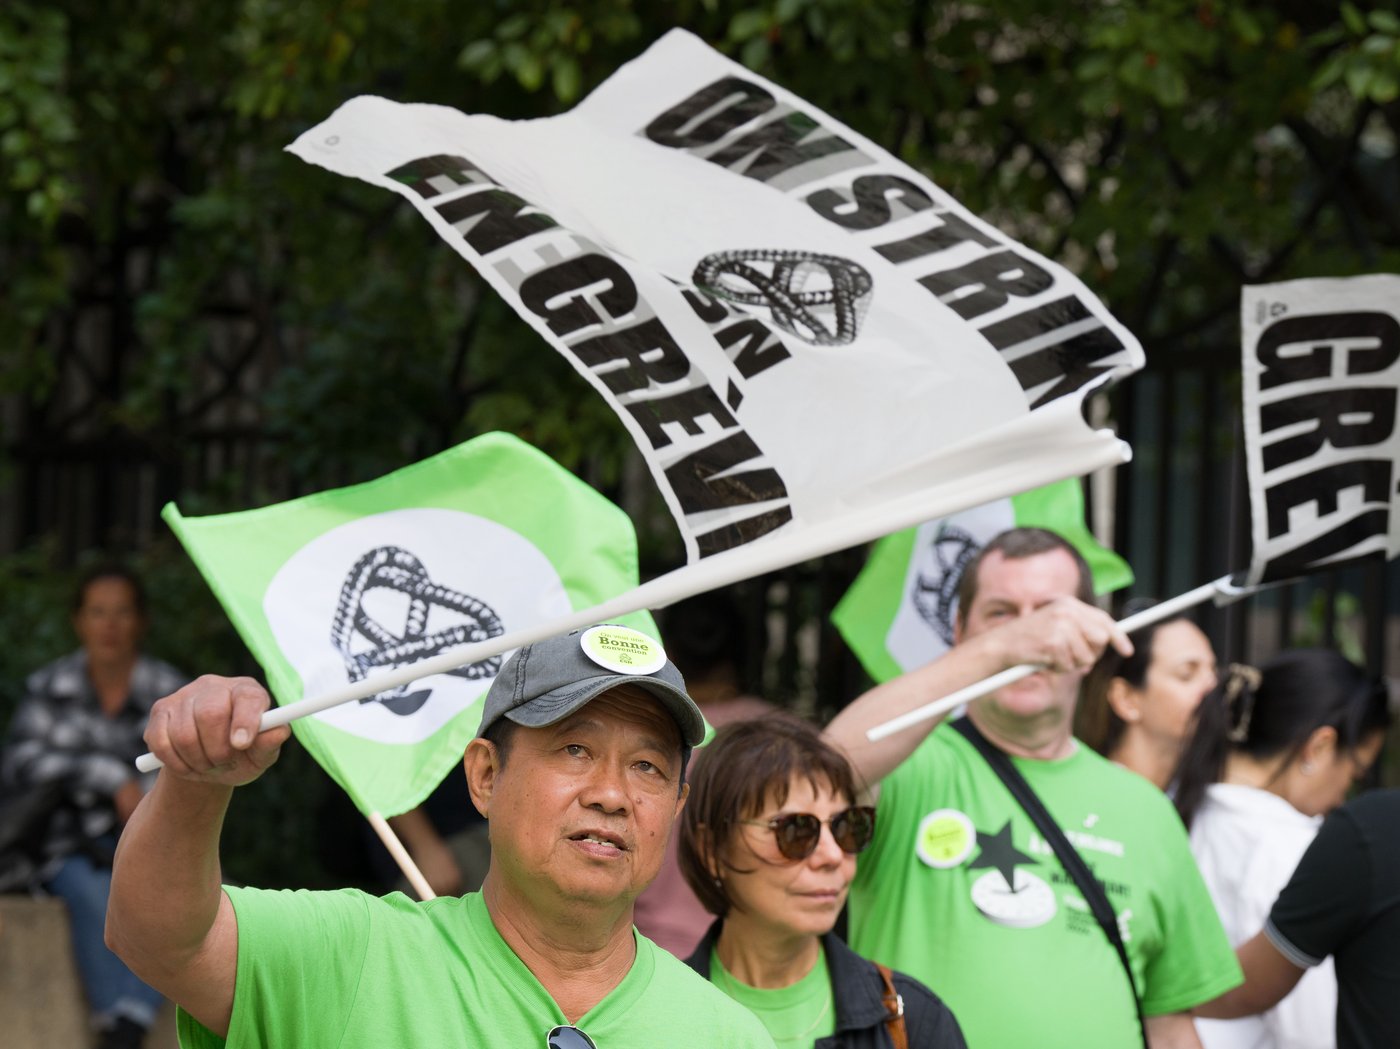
{"x": 574, "y": 750}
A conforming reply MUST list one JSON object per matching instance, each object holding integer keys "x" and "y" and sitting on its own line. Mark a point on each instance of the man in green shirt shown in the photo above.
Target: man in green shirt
{"x": 579, "y": 768}
{"x": 958, "y": 888}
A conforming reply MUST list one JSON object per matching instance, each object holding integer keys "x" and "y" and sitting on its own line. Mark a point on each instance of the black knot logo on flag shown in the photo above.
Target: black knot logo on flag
{"x": 821, "y": 299}
{"x": 934, "y": 594}
{"x": 394, "y": 569}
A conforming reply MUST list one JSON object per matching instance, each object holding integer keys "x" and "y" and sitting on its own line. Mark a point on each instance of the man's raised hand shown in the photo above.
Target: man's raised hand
{"x": 1063, "y": 635}
{"x": 208, "y": 731}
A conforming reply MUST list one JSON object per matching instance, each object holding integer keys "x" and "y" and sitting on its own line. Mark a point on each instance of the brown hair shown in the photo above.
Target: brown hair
{"x": 110, "y": 570}
{"x": 1015, "y": 544}
{"x": 1095, "y": 720}
{"x": 745, "y": 767}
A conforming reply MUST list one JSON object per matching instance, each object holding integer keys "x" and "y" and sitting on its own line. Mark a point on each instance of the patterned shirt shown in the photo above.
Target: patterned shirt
{"x": 60, "y": 733}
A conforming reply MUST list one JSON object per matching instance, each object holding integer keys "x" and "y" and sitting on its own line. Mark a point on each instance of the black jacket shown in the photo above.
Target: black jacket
{"x": 858, "y": 992}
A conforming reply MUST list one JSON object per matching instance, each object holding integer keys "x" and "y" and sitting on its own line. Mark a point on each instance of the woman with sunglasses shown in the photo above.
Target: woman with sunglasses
{"x": 1274, "y": 750}
{"x": 768, "y": 841}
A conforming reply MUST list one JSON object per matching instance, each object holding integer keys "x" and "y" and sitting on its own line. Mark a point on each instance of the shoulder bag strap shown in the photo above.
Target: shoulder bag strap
{"x": 1068, "y": 856}
{"x": 895, "y": 1004}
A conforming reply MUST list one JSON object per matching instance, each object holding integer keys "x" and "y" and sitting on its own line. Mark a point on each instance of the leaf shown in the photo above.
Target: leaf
{"x": 530, "y": 72}
{"x": 1385, "y": 86}
{"x": 748, "y": 24}
{"x": 476, "y": 54}
{"x": 1095, "y": 67}
{"x": 1358, "y": 78}
{"x": 1384, "y": 22}
{"x": 1170, "y": 87}
{"x": 1377, "y": 44}
{"x": 566, "y": 79}
{"x": 1246, "y": 26}
{"x": 755, "y": 52}
{"x": 514, "y": 27}
{"x": 788, "y": 10}
{"x": 1353, "y": 18}
{"x": 1331, "y": 72}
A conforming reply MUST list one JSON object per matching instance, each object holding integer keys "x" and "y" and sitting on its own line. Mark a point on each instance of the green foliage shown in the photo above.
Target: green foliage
{"x": 1368, "y": 62}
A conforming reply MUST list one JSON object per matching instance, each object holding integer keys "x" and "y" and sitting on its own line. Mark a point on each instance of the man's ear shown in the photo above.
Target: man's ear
{"x": 482, "y": 765}
{"x": 1124, "y": 700}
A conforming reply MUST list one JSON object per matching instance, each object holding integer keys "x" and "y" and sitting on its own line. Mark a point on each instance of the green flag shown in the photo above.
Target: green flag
{"x": 899, "y": 612}
{"x": 488, "y": 537}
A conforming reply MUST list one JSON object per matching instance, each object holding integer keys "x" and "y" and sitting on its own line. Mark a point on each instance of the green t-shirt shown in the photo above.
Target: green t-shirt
{"x": 344, "y": 970}
{"x": 934, "y": 896}
{"x": 796, "y": 1015}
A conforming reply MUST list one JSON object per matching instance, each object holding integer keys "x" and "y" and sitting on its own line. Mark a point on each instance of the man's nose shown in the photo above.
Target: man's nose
{"x": 605, "y": 786}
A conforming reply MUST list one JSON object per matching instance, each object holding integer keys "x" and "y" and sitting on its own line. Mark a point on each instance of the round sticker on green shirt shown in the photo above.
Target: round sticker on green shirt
{"x": 945, "y": 838}
{"x": 622, "y": 649}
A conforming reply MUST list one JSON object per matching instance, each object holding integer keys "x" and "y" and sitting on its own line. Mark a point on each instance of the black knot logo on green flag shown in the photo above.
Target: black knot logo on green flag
{"x": 800, "y": 289}
{"x": 900, "y": 611}
{"x": 935, "y": 593}
{"x": 349, "y": 585}
{"x": 394, "y": 571}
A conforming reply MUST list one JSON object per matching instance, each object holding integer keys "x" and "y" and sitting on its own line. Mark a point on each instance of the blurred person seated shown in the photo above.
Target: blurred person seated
{"x": 1342, "y": 903}
{"x": 1273, "y": 751}
{"x": 80, "y": 726}
{"x": 1138, "y": 710}
{"x": 707, "y": 640}
{"x": 768, "y": 842}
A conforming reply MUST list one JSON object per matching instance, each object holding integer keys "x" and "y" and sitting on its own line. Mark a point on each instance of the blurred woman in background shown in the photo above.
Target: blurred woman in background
{"x": 79, "y": 729}
{"x": 768, "y": 841}
{"x": 1139, "y": 711}
{"x": 1274, "y": 750}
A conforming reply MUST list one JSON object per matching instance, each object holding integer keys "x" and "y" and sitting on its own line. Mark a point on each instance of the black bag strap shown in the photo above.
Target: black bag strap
{"x": 1067, "y": 854}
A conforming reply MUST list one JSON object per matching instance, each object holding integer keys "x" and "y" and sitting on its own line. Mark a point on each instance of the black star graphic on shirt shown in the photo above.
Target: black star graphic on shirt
{"x": 997, "y": 851}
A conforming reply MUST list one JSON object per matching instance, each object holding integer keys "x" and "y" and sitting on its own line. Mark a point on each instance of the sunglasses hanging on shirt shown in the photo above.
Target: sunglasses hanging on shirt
{"x": 567, "y": 1037}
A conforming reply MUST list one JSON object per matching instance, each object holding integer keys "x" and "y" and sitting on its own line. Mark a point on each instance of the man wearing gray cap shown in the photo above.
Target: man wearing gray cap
{"x": 579, "y": 767}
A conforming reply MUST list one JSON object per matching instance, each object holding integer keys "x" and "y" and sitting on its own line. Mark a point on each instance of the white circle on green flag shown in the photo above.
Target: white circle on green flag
{"x": 387, "y": 590}
{"x": 622, "y": 649}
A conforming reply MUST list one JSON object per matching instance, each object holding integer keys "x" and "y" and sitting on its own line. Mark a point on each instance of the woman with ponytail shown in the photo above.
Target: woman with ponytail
{"x": 1274, "y": 749}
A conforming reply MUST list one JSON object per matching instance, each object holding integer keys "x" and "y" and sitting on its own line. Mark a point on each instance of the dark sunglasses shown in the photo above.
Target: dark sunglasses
{"x": 797, "y": 833}
{"x": 568, "y": 1038}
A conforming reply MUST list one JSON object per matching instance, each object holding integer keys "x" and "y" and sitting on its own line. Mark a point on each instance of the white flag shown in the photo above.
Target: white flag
{"x": 1321, "y": 376}
{"x": 801, "y": 332}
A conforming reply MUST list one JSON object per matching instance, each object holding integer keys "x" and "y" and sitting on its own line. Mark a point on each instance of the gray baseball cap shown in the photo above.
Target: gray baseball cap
{"x": 545, "y": 682}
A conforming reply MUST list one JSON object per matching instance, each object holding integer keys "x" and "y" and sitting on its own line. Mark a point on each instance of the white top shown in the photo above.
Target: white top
{"x": 1247, "y": 842}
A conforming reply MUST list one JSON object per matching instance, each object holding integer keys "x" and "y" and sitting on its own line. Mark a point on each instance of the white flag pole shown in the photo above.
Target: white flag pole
{"x": 732, "y": 566}
{"x": 401, "y": 856}
{"x": 1155, "y": 614}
